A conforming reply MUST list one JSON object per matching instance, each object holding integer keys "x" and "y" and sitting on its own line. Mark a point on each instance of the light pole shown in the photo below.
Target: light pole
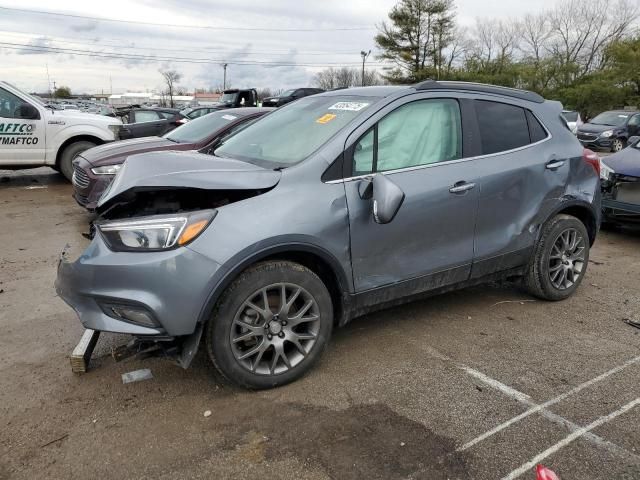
{"x": 224, "y": 78}
{"x": 364, "y": 56}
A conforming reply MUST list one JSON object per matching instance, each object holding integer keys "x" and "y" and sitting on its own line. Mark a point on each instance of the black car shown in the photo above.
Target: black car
{"x": 149, "y": 122}
{"x": 610, "y": 130}
{"x": 290, "y": 96}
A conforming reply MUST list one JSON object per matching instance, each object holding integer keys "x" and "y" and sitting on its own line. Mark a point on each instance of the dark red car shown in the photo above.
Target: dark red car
{"x": 94, "y": 169}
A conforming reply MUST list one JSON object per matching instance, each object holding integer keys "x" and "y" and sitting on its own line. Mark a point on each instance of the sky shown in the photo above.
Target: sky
{"x": 267, "y": 44}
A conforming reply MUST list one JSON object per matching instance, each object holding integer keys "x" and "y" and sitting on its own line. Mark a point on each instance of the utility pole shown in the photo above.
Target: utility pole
{"x": 364, "y": 56}
{"x": 48, "y": 81}
{"x": 54, "y": 89}
{"x": 224, "y": 78}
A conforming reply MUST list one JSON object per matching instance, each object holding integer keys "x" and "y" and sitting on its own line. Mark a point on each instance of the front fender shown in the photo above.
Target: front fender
{"x": 80, "y": 130}
{"x": 256, "y": 253}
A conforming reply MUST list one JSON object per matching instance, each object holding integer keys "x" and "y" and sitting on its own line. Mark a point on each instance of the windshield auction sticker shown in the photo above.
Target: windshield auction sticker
{"x": 17, "y": 134}
{"x": 349, "y": 106}
{"x": 326, "y": 118}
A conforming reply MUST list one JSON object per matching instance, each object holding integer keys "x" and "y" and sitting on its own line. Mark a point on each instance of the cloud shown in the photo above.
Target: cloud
{"x": 88, "y": 26}
{"x": 34, "y": 47}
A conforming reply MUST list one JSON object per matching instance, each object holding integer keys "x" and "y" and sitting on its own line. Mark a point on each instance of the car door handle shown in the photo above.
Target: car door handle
{"x": 554, "y": 164}
{"x": 461, "y": 187}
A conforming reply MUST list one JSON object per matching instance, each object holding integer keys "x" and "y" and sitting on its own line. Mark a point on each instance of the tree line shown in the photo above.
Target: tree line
{"x": 585, "y": 53}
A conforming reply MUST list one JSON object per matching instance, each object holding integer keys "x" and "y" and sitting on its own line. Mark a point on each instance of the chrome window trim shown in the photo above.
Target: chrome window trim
{"x": 450, "y": 162}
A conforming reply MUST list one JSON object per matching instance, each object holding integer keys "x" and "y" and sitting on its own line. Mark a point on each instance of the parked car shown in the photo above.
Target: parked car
{"x": 574, "y": 120}
{"x": 289, "y": 96}
{"x": 147, "y": 122}
{"x": 95, "y": 168}
{"x": 195, "y": 112}
{"x": 33, "y": 134}
{"x": 610, "y": 130}
{"x": 620, "y": 175}
{"x": 331, "y": 207}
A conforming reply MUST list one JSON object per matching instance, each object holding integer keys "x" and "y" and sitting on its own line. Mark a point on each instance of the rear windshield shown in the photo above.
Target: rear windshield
{"x": 613, "y": 119}
{"x": 292, "y": 133}
{"x": 570, "y": 116}
{"x": 201, "y": 128}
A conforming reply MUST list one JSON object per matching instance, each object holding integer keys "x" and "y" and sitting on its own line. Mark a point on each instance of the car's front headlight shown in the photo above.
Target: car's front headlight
{"x": 156, "y": 232}
{"x": 605, "y": 171}
{"x": 107, "y": 169}
{"x": 606, "y": 134}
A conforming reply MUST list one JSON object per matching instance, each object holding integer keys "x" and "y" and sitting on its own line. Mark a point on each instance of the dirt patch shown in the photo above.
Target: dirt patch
{"x": 363, "y": 441}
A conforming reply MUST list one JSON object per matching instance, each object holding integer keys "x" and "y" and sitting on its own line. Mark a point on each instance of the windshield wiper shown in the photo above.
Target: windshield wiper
{"x": 172, "y": 139}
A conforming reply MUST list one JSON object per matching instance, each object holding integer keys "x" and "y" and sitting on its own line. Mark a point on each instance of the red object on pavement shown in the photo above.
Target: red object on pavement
{"x": 543, "y": 473}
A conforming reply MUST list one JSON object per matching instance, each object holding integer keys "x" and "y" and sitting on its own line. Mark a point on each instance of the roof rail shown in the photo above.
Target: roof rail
{"x": 480, "y": 87}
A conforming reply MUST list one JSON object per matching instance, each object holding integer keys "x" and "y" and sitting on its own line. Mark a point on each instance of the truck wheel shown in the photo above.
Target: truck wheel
{"x": 270, "y": 326}
{"x": 71, "y": 151}
{"x": 560, "y": 259}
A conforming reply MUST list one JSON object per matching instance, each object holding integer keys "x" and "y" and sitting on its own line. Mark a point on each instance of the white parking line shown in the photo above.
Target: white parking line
{"x": 568, "y": 439}
{"x": 526, "y": 400}
{"x": 538, "y": 408}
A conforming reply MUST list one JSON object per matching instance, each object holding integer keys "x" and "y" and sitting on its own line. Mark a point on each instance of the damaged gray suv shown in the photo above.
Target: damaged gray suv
{"x": 331, "y": 207}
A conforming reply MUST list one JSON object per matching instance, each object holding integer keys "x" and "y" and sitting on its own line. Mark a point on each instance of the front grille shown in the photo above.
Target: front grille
{"x": 587, "y": 136}
{"x": 80, "y": 178}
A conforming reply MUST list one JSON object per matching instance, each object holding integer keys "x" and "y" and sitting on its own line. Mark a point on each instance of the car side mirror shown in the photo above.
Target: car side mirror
{"x": 387, "y": 199}
{"x": 28, "y": 112}
{"x": 633, "y": 140}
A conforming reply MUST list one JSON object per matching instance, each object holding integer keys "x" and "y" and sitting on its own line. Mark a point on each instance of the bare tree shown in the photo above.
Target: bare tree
{"x": 264, "y": 93}
{"x": 171, "y": 78}
{"x": 331, "y": 78}
{"x": 581, "y": 29}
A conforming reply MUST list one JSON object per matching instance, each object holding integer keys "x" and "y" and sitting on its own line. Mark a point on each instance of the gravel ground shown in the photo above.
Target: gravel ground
{"x": 411, "y": 392}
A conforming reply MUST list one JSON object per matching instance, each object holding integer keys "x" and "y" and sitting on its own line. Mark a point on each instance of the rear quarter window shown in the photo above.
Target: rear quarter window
{"x": 536, "y": 131}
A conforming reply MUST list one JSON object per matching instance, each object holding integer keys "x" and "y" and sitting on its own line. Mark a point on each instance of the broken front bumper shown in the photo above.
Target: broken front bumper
{"x": 171, "y": 287}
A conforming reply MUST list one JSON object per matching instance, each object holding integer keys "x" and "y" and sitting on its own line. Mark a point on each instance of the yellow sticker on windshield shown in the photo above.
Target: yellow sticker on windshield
{"x": 326, "y": 118}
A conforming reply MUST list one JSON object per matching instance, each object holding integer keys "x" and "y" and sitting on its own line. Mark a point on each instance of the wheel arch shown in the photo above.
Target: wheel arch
{"x": 74, "y": 139}
{"x": 582, "y": 211}
{"x": 315, "y": 258}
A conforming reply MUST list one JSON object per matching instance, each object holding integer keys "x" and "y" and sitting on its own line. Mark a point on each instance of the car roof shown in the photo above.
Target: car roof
{"x": 627, "y": 112}
{"x": 385, "y": 91}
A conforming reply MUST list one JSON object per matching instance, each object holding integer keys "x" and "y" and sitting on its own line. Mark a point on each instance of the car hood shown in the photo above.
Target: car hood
{"x": 625, "y": 162}
{"x": 117, "y": 152}
{"x": 591, "y": 128}
{"x": 82, "y": 117}
{"x": 171, "y": 170}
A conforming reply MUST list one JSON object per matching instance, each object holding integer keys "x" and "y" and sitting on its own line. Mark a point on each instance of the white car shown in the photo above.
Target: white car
{"x": 34, "y": 135}
{"x": 573, "y": 120}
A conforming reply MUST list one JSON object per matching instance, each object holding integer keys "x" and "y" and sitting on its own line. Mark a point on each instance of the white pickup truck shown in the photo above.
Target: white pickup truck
{"x": 33, "y": 135}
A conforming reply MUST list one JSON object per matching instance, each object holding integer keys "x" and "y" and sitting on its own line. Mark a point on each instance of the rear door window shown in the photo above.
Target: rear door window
{"x": 502, "y": 126}
{"x": 145, "y": 116}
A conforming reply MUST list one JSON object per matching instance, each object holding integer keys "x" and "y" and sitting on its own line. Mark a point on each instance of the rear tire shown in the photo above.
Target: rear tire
{"x": 71, "y": 151}
{"x": 270, "y": 326}
{"x": 560, "y": 259}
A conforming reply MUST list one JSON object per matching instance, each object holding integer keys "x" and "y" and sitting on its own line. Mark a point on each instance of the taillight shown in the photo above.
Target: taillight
{"x": 592, "y": 159}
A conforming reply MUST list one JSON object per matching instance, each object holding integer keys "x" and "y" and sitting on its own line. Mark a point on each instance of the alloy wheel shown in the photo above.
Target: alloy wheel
{"x": 567, "y": 259}
{"x": 617, "y": 145}
{"x": 275, "y": 329}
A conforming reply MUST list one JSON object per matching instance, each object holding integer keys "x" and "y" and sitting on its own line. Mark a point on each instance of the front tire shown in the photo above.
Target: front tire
{"x": 71, "y": 151}
{"x": 618, "y": 144}
{"x": 270, "y": 326}
{"x": 560, "y": 259}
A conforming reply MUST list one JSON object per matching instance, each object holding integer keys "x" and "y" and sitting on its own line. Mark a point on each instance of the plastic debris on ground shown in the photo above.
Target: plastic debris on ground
{"x": 137, "y": 376}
